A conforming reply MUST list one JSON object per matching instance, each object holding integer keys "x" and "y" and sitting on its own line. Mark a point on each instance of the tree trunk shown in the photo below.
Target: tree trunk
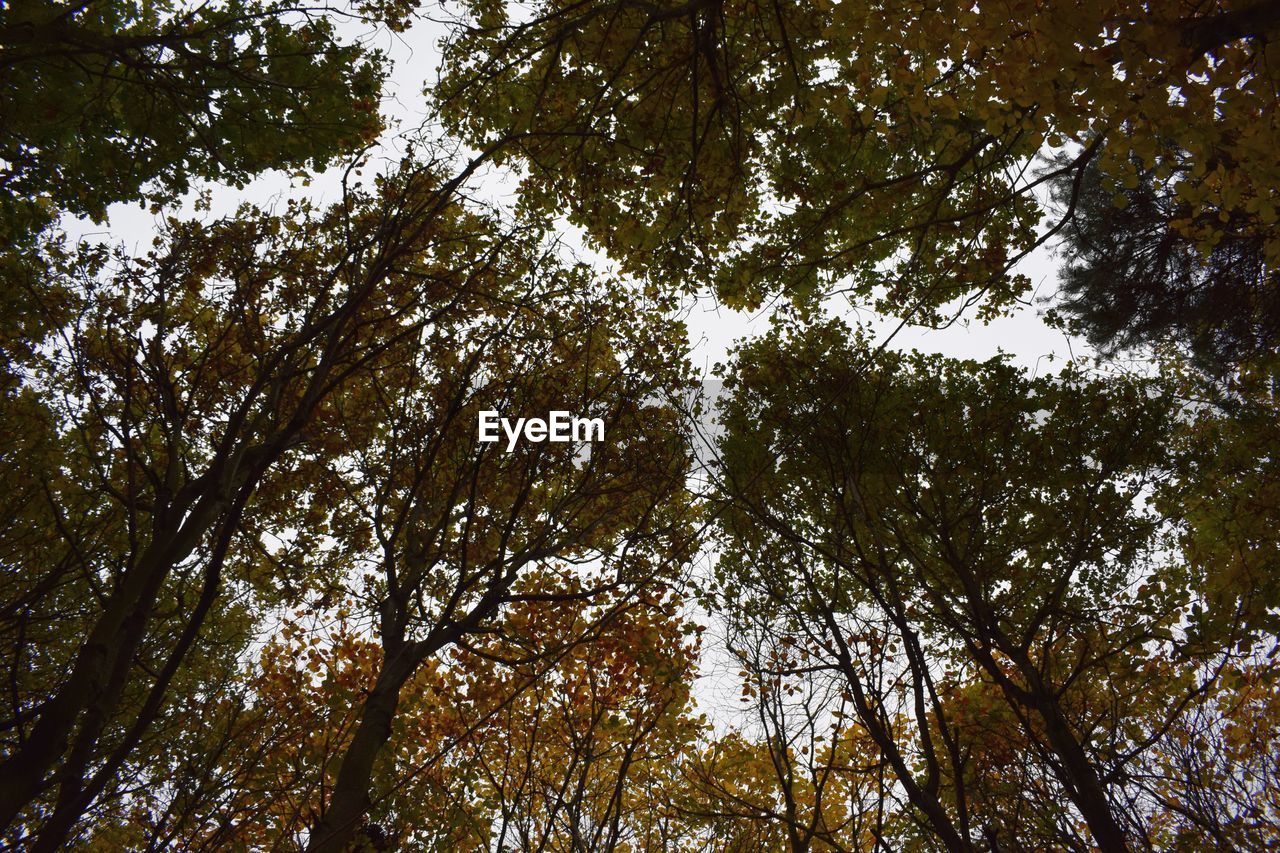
{"x": 1090, "y": 795}
{"x": 350, "y": 801}
{"x": 24, "y": 774}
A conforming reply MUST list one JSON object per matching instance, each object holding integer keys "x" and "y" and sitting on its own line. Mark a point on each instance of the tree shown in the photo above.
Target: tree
{"x": 188, "y": 388}
{"x": 1134, "y": 280}
{"x": 119, "y": 101}
{"x": 936, "y": 533}
{"x": 262, "y": 584}
{"x": 574, "y": 743}
{"x": 453, "y": 526}
{"x": 799, "y": 775}
{"x": 588, "y": 755}
{"x": 189, "y": 418}
{"x": 1214, "y": 777}
{"x": 1226, "y": 495}
{"x": 878, "y": 147}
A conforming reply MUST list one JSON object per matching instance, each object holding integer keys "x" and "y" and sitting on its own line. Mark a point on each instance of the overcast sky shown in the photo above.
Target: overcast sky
{"x": 712, "y": 327}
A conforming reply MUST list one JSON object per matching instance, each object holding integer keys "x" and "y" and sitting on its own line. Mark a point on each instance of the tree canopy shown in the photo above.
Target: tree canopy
{"x": 796, "y": 147}
{"x": 1133, "y": 279}
{"x": 122, "y": 101}
{"x": 266, "y": 583}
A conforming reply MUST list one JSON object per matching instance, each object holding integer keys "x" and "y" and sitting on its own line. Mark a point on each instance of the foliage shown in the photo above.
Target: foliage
{"x": 1227, "y": 496}
{"x": 1134, "y": 279}
{"x": 956, "y": 542}
{"x": 263, "y": 587}
{"x": 124, "y": 101}
{"x": 881, "y": 147}
{"x": 223, "y": 409}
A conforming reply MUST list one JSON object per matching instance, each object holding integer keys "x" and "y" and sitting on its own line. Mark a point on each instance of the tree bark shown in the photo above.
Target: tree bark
{"x": 1261, "y": 20}
{"x": 1090, "y": 795}
{"x": 24, "y": 774}
{"x": 350, "y": 802}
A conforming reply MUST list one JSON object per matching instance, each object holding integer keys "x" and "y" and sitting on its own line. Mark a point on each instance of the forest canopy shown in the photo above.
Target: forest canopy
{"x": 265, "y": 584}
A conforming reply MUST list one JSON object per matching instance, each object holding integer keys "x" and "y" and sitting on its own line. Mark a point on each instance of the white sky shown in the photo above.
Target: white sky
{"x": 712, "y": 328}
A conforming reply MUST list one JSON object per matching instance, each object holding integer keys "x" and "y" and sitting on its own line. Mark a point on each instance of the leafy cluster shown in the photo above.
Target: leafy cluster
{"x": 262, "y": 586}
